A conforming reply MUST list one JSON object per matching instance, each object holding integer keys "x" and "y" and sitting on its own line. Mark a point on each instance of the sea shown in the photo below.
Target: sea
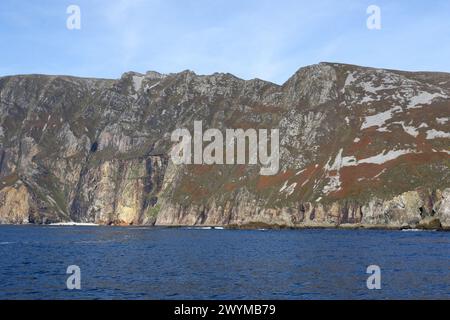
{"x": 88, "y": 262}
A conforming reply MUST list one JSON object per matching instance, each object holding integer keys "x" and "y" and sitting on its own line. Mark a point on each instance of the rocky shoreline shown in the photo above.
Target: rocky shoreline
{"x": 256, "y": 226}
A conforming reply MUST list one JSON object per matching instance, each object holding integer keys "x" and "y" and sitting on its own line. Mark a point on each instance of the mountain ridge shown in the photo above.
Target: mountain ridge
{"x": 359, "y": 146}
{"x": 151, "y": 73}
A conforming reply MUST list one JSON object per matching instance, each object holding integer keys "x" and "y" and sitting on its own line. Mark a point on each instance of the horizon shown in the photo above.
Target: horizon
{"x": 211, "y": 74}
{"x": 251, "y": 40}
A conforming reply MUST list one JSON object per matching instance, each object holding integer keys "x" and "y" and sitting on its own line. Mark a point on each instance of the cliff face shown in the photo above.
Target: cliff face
{"x": 357, "y": 146}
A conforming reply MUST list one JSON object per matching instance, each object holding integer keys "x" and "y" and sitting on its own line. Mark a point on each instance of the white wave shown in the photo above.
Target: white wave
{"x": 73, "y": 224}
{"x": 199, "y": 228}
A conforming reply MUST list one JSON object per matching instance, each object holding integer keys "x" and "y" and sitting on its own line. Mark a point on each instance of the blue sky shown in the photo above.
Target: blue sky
{"x": 249, "y": 38}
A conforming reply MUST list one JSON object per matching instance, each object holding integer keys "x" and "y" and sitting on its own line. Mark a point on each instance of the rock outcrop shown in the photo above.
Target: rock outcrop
{"x": 359, "y": 147}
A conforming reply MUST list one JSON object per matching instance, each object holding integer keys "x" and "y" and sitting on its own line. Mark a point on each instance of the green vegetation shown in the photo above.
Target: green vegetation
{"x": 152, "y": 212}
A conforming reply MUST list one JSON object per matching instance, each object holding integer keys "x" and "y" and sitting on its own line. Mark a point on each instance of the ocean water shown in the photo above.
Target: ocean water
{"x": 164, "y": 263}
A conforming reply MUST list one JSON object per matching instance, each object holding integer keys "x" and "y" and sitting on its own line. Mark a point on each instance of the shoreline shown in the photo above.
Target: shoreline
{"x": 248, "y": 227}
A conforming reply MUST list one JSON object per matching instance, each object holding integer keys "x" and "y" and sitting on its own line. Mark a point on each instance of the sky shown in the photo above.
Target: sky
{"x": 262, "y": 39}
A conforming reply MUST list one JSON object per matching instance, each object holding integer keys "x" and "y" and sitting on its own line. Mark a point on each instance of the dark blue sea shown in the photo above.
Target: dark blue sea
{"x": 164, "y": 263}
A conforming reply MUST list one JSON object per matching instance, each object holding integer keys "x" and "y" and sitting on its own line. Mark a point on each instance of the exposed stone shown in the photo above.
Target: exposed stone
{"x": 359, "y": 147}
{"x": 14, "y": 205}
{"x": 430, "y": 223}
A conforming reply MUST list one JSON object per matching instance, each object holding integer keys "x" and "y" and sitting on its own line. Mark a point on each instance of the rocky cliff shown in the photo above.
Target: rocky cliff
{"x": 358, "y": 146}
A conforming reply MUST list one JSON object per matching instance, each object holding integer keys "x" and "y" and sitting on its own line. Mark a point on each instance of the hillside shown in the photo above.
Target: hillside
{"x": 358, "y": 146}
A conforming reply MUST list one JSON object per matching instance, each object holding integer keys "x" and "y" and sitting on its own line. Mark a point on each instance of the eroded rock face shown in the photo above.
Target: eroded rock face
{"x": 358, "y": 146}
{"x": 404, "y": 211}
{"x": 121, "y": 192}
{"x": 14, "y": 205}
{"x": 442, "y": 207}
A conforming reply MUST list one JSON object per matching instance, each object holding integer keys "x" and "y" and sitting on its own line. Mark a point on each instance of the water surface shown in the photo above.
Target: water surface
{"x": 158, "y": 263}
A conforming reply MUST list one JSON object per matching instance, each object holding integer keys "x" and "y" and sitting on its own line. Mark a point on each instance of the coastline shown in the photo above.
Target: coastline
{"x": 247, "y": 227}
